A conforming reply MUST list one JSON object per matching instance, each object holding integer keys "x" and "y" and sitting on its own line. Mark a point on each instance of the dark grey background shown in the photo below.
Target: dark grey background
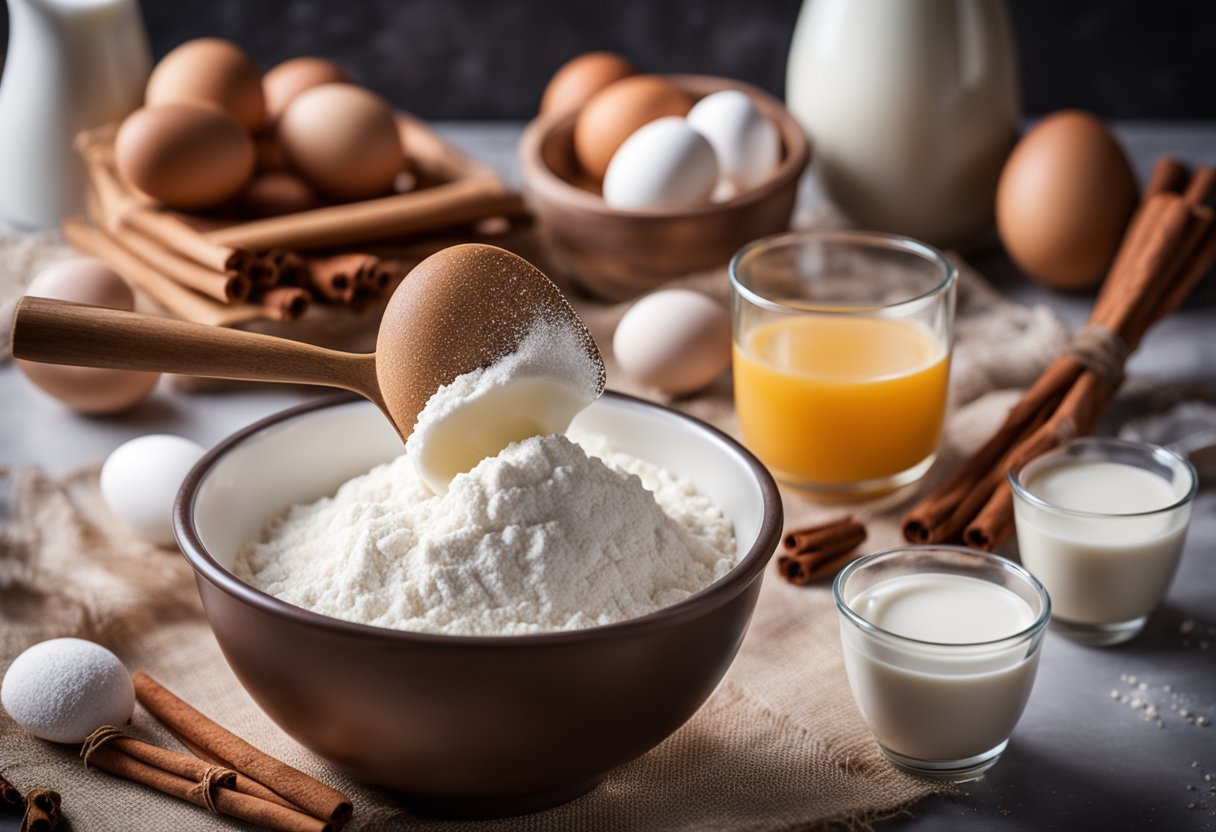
{"x": 489, "y": 59}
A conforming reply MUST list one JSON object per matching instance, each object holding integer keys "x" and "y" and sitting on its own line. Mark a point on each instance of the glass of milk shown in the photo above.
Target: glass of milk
{"x": 1101, "y": 523}
{"x": 941, "y": 645}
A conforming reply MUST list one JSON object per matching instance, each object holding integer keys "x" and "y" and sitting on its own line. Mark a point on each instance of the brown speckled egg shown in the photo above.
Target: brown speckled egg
{"x": 185, "y": 156}
{"x": 87, "y": 389}
{"x": 210, "y": 71}
{"x": 290, "y": 78}
{"x": 343, "y": 140}
{"x": 614, "y": 113}
{"x": 580, "y": 78}
{"x": 1064, "y": 198}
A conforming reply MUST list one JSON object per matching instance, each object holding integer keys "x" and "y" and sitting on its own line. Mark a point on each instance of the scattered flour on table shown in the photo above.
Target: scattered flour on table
{"x": 540, "y": 537}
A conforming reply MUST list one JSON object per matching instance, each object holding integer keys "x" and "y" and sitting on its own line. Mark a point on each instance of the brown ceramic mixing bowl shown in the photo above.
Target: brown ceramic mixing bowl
{"x": 616, "y": 254}
{"x": 465, "y": 725}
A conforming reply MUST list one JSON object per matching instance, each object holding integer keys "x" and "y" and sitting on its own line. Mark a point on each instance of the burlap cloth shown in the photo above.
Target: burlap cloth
{"x": 780, "y": 745}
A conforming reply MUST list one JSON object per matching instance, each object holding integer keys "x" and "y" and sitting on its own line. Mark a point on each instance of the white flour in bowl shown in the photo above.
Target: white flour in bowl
{"x": 540, "y": 537}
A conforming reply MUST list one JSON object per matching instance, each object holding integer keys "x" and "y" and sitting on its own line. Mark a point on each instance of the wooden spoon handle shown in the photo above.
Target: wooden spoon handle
{"x": 58, "y": 332}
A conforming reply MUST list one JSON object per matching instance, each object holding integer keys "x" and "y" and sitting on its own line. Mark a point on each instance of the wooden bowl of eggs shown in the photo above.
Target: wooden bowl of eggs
{"x": 688, "y": 184}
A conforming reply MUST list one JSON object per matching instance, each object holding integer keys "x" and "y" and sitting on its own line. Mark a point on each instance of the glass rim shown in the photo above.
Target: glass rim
{"x": 870, "y": 239}
{"x": 1028, "y": 632}
{"x": 1021, "y": 492}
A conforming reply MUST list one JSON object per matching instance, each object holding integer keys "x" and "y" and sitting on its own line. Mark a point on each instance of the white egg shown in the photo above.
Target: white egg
{"x": 675, "y": 340}
{"x": 746, "y": 142}
{"x": 64, "y": 689}
{"x": 664, "y": 165}
{"x": 140, "y": 479}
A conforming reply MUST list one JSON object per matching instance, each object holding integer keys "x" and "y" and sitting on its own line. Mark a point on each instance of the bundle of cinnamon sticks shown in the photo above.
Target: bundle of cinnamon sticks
{"x": 233, "y": 274}
{"x": 1167, "y": 248}
{"x": 223, "y": 773}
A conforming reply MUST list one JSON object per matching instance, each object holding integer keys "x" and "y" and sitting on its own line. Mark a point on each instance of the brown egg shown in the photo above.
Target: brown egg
{"x": 1064, "y": 199}
{"x": 276, "y": 193}
{"x": 580, "y": 78}
{"x": 210, "y": 71}
{"x": 185, "y": 156}
{"x": 615, "y": 112}
{"x": 87, "y": 389}
{"x": 343, "y": 140}
{"x": 290, "y": 78}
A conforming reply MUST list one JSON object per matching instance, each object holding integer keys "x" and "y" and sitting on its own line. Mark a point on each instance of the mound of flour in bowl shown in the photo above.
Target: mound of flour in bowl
{"x": 541, "y": 537}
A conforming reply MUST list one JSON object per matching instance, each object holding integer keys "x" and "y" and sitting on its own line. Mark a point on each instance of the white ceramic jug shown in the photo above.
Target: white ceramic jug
{"x": 912, "y": 107}
{"x": 71, "y": 65}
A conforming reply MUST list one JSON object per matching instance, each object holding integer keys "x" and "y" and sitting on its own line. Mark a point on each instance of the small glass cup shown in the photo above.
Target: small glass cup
{"x": 1106, "y": 570}
{"x": 941, "y": 707}
{"x": 842, "y": 344}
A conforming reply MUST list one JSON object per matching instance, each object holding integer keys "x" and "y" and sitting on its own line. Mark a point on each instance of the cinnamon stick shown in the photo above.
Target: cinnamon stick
{"x": 209, "y": 792}
{"x": 285, "y": 303}
{"x": 263, "y": 271}
{"x": 447, "y": 205}
{"x": 801, "y": 570}
{"x": 10, "y": 797}
{"x": 817, "y": 551}
{"x": 42, "y": 812}
{"x": 1168, "y": 175}
{"x": 179, "y": 300}
{"x": 333, "y": 277}
{"x": 294, "y": 785}
{"x": 293, "y": 271}
{"x": 935, "y": 519}
{"x": 226, "y": 287}
{"x": 1203, "y": 183}
{"x": 241, "y": 783}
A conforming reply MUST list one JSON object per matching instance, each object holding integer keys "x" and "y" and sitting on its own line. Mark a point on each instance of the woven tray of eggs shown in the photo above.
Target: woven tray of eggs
{"x": 636, "y": 179}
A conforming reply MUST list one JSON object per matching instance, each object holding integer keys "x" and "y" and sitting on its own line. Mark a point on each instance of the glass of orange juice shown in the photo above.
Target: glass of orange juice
{"x": 841, "y": 361}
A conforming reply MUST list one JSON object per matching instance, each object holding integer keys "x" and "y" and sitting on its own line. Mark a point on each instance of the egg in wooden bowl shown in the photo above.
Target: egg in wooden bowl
{"x": 620, "y": 253}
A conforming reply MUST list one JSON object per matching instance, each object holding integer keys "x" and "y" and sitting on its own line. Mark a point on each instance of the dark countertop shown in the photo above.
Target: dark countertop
{"x": 1080, "y": 758}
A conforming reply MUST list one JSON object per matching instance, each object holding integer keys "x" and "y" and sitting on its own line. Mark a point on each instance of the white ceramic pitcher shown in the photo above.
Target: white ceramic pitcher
{"x": 912, "y": 107}
{"x": 71, "y": 65}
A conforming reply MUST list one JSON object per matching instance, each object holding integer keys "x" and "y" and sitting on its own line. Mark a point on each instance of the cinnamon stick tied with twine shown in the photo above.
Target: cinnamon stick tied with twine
{"x": 186, "y": 777}
{"x": 311, "y": 795}
{"x": 42, "y": 812}
{"x": 1168, "y": 247}
{"x": 816, "y": 552}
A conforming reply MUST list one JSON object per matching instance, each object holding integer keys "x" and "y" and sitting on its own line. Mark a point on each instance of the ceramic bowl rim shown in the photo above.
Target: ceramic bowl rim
{"x": 733, "y": 583}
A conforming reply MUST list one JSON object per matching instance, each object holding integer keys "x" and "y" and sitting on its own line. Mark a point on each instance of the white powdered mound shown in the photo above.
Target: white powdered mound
{"x": 540, "y": 537}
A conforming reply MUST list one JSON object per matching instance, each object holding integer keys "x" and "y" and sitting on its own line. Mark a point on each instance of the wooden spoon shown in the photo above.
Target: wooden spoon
{"x": 459, "y": 310}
